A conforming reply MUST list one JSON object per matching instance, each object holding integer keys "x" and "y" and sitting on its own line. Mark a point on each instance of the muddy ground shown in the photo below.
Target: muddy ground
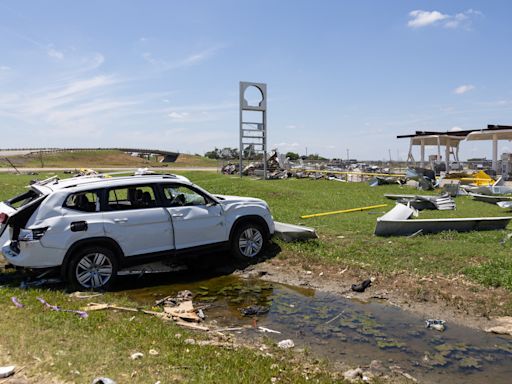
{"x": 454, "y": 300}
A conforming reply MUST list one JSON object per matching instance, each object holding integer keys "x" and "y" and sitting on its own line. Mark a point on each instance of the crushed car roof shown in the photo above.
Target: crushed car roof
{"x": 99, "y": 181}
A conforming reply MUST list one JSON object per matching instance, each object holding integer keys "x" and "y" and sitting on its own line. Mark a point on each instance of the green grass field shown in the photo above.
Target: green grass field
{"x": 75, "y": 350}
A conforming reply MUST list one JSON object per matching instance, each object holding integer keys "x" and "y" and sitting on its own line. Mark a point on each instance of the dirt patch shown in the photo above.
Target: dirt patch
{"x": 452, "y": 299}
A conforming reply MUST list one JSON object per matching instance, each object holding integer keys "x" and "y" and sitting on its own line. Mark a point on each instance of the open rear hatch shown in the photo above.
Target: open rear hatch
{"x": 15, "y": 212}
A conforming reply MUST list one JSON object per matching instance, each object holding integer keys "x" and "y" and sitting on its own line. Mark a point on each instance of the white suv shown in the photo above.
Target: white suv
{"x": 92, "y": 226}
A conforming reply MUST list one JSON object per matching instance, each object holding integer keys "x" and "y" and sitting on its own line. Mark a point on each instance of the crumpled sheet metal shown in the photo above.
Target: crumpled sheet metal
{"x": 290, "y": 233}
{"x": 442, "y": 202}
{"x": 396, "y": 223}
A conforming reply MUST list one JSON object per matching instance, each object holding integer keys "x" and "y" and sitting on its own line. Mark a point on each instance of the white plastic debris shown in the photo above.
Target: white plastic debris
{"x": 353, "y": 375}
{"x": 103, "y": 380}
{"x": 136, "y": 355}
{"x": 7, "y": 371}
{"x": 286, "y": 344}
{"x": 153, "y": 352}
{"x": 436, "y": 324}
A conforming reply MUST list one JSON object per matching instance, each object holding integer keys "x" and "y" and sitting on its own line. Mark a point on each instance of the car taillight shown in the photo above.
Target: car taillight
{"x": 31, "y": 234}
{"x": 3, "y": 218}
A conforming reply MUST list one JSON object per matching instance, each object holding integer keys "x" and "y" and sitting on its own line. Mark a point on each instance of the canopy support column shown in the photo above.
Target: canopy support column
{"x": 447, "y": 155}
{"x": 422, "y": 163}
{"x": 495, "y": 152}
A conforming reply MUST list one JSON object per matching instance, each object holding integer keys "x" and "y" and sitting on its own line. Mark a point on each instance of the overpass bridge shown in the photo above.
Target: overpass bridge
{"x": 167, "y": 156}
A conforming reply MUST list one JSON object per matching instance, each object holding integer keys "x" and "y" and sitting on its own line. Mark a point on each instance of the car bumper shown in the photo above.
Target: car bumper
{"x": 32, "y": 254}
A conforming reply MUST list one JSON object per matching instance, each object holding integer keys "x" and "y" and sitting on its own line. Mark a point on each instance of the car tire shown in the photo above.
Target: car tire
{"x": 92, "y": 268}
{"x": 248, "y": 241}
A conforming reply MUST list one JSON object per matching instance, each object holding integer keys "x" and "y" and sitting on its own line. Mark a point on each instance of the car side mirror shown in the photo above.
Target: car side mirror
{"x": 211, "y": 204}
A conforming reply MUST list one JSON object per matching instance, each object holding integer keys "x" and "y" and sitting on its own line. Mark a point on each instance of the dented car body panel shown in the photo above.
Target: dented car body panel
{"x": 139, "y": 215}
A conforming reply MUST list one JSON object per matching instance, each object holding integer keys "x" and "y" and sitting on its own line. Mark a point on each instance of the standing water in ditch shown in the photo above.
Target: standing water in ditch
{"x": 340, "y": 329}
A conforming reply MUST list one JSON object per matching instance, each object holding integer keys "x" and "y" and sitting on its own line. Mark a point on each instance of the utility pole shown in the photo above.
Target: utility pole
{"x": 348, "y": 154}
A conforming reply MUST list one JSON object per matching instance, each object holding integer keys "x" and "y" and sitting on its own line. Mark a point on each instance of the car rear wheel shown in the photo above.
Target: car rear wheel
{"x": 248, "y": 241}
{"x": 92, "y": 268}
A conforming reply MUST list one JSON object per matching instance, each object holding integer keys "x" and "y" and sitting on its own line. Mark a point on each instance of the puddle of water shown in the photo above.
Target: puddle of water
{"x": 344, "y": 330}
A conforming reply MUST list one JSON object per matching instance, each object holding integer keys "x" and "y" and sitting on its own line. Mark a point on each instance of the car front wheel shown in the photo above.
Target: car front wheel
{"x": 92, "y": 268}
{"x": 248, "y": 242}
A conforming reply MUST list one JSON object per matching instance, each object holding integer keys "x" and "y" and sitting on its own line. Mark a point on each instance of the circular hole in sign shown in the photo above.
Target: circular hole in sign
{"x": 253, "y": 96}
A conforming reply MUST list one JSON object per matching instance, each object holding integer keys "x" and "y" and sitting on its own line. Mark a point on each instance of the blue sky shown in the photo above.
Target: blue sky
{"x": 165, "y": 74}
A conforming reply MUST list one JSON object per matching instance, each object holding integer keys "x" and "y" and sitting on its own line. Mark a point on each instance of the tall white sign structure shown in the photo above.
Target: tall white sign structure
{"x": 253, "y": 122}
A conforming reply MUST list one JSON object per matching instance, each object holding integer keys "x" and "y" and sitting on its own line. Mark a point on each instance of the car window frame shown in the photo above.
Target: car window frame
{"x": 99, "y": 194}
{"x": 104, "y": 206}
{"x": 166, "y": 203}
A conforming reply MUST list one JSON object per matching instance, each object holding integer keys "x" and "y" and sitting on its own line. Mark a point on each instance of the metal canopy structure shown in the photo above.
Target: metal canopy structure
{"x": 253, "y": 123}
{"x": 451, "y": 140}
{"x": 447, "y": 140}
{"x": 494, "y": 133}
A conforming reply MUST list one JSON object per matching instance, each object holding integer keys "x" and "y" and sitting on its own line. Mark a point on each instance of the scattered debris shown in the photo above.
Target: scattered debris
{"x": 136, "y": 355}
{"x": 7, "y": 371}
{"x": 267, "y": 330}
{"x": 426, "y": 178}
{"x": 84, "y": 295}
{"x": 442, "y": 202}
{"x": 334, "y": 318}
{"x": 179, "y": 309}
{"x": 353, "y": 375}
{"x": 493, "y": 199}
{"x": 15, "y": 301}
{"x": 396, "y": 223}
{"x": 254, "y": 310}
{"x": 153, "y": 352}
{"x": 436, "y": 324}
{"x": 362, "y": 286}
{"x": 82, "y": 314}
{"x": 103, "y": 380}
{"x": 290, "y": 233}
{"x": 286, "y": 344}
{"x": 503, "y": 326}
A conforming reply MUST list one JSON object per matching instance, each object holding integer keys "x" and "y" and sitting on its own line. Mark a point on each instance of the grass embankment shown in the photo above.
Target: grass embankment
{"x": 99, "y": 158}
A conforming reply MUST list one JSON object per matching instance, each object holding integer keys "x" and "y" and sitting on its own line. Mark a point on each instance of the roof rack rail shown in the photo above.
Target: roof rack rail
{"x": 47, "y": 181}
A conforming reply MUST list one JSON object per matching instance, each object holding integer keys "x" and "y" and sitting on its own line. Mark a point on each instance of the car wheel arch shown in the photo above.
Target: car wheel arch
{"x": 93, "y": 241}
{"x": 249, "y": 219}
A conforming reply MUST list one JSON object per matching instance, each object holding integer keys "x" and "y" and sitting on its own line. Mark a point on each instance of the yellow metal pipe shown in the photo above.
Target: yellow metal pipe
{"x": 355, "y": 173}
{"x": 344, "y": 211}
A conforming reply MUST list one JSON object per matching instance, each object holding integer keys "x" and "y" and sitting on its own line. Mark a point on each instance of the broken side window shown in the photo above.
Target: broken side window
{"x": 87, "y": 201}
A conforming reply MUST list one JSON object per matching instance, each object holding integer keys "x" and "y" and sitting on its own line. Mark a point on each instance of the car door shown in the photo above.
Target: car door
{"x": 197, "y": 219}
{"x": 133, "y": 217}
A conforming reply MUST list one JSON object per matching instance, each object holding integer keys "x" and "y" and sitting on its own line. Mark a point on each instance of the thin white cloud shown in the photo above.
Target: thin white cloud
{"x": 188, "y": 61}
{"x": 4, "y": 68}
{"x": 55, "y": 54}
{"x": 287, "y": 145}
{"x": 178, "y": 115}
{"x": 463, "y": 89}
{"x": 455, "y": 129}
{"x": 420, "y": 18}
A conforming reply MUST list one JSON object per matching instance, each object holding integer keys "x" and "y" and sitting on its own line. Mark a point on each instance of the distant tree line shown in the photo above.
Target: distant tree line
{"x": 228, "y": 153}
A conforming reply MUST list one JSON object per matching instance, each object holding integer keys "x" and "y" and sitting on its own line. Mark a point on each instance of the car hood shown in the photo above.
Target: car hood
{"x": 238, "y": 199}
